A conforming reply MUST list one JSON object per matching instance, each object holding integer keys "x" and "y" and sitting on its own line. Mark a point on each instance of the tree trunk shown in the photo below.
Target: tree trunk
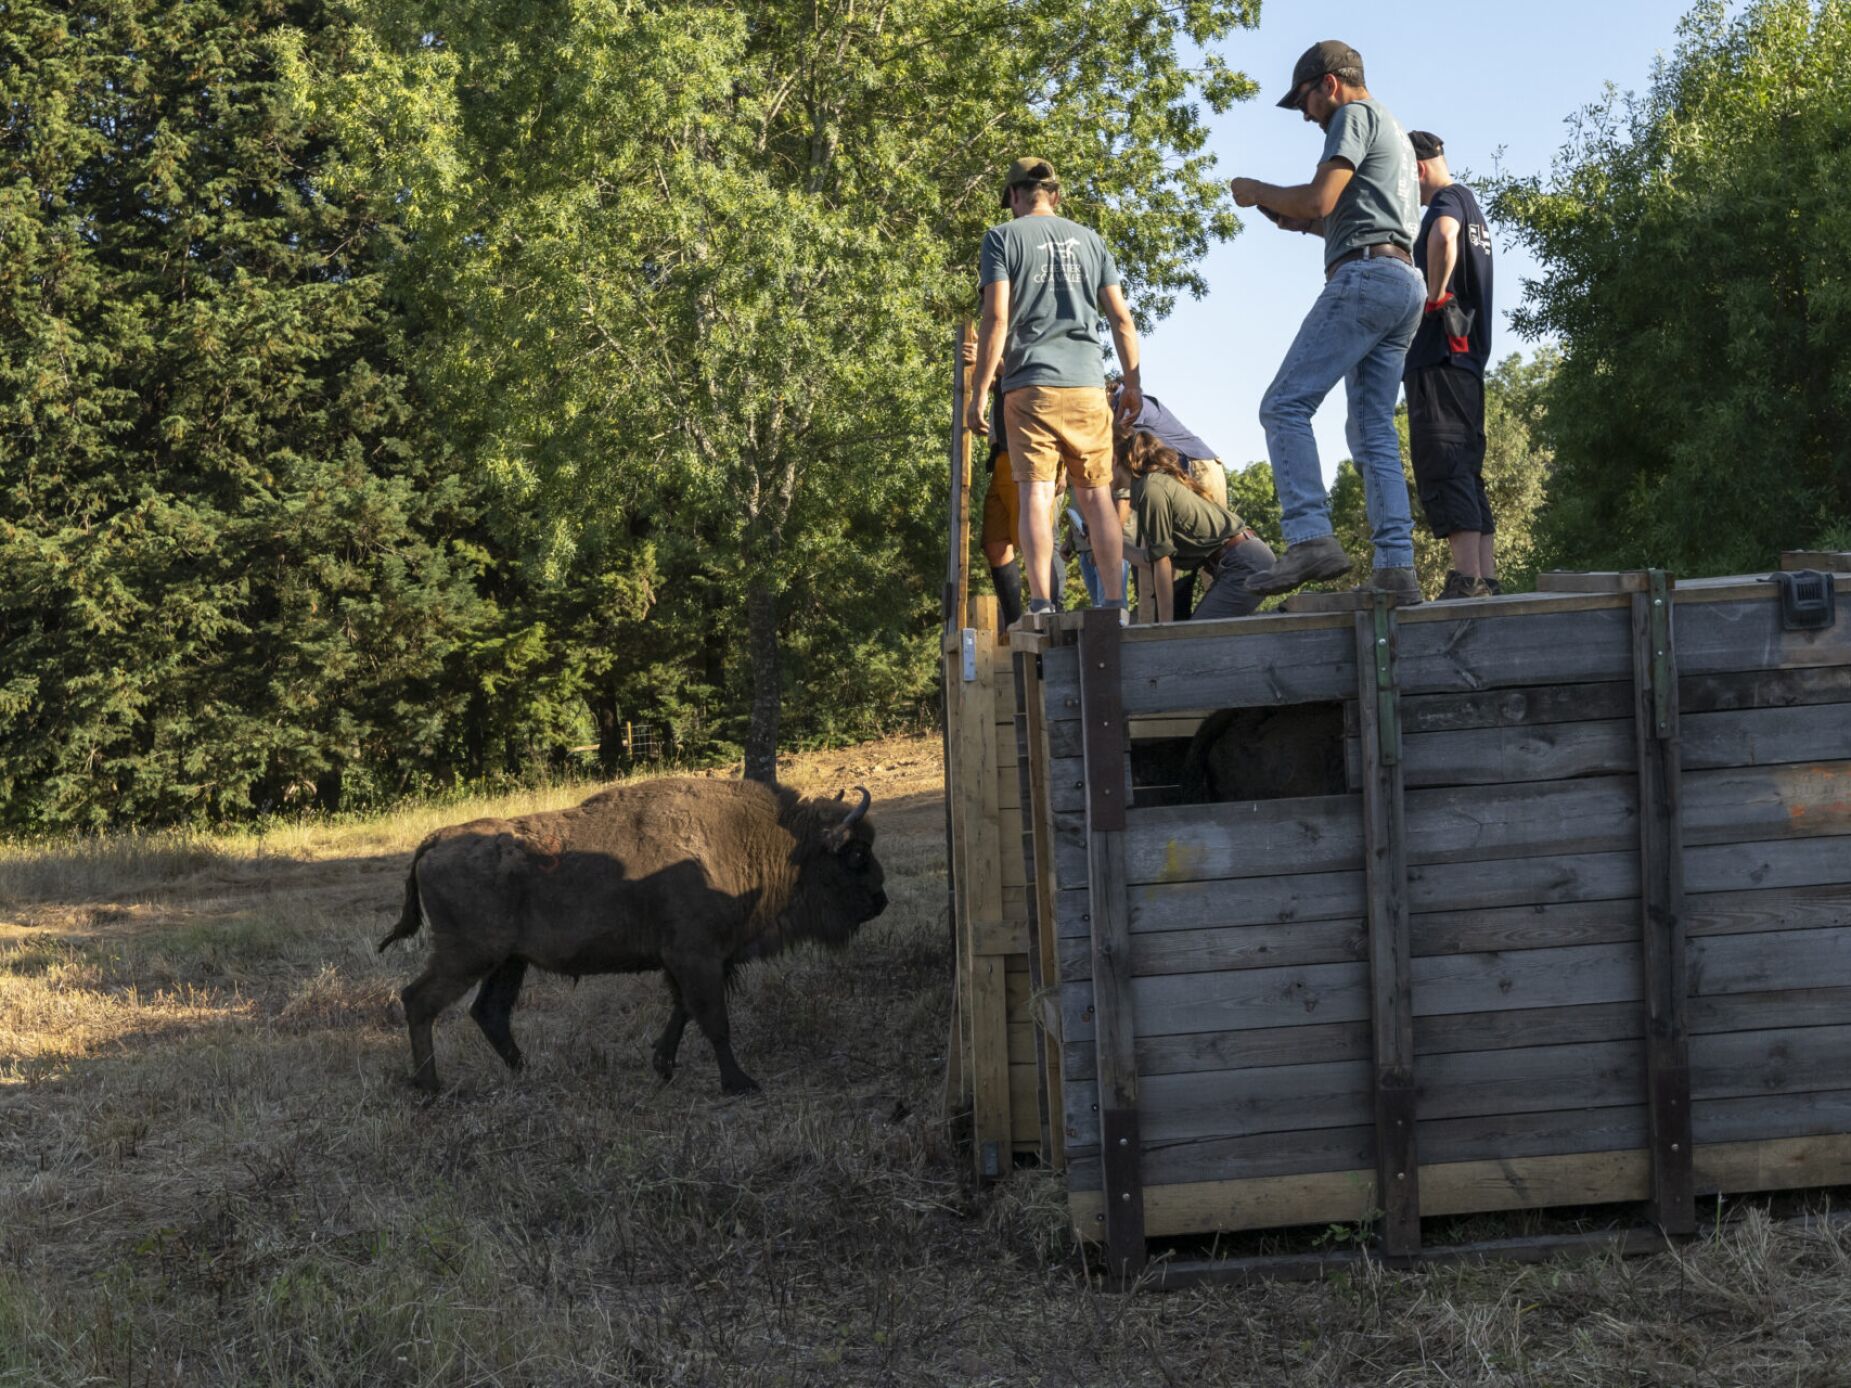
{"x": 767, "y": 675}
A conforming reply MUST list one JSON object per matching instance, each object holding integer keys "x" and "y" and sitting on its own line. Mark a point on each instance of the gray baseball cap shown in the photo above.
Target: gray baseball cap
{"x": 1332, "y": 55}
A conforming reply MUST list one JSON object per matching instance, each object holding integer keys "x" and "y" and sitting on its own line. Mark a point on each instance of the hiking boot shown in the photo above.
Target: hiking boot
{"x": 1308, "y": 561}
{"x": 1400, "y": 583}
{"x": 1497, "y": 589}
{"x": 1460, "y": 585}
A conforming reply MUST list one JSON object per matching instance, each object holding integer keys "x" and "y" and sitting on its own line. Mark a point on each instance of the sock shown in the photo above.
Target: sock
{"x": 1008, "y": 584}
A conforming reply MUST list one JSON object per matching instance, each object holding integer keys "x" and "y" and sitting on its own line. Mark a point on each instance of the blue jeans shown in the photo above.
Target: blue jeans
{"x": 1089, "y": 573}
{"x": 1358, "y": 333}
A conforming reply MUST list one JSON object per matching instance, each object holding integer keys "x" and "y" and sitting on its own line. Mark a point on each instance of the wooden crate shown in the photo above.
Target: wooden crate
{"x": 1578, "y": 932}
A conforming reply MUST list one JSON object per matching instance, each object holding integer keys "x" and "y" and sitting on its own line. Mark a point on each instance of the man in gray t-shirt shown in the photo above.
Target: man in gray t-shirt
{"x": 1364, "y": 200}
{"x": 1047, "y": 285}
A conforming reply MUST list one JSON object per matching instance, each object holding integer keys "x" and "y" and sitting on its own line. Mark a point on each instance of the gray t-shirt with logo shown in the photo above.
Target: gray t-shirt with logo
{"x": 1056, "y": 270}
{"x": 1382, "y": 201}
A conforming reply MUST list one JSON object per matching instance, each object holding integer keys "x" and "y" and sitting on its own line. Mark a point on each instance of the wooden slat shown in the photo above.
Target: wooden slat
{"x": 1822, "y": 560}
{"x": 1037, "y": 848}
{"x": 1492, "y": 756}
{"x": 1474, "y": 1032}
{"x": 1116, "y": 1091}
{"x": 1746, "y": 635}
{"x": 1765, "y": 737}
{"x": 1475, "y": 1187}
{"x": 985, "y": 997}
{"x": 1745, "y": 689}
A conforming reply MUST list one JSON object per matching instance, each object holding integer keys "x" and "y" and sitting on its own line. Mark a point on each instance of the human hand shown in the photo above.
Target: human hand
{"x": 1435, "y": 305}
{"x": 973, "y": 414}
{"x": 1130, "y": 403}
{"x": 967, "y": 353}
{"x": 1246, "y": 191}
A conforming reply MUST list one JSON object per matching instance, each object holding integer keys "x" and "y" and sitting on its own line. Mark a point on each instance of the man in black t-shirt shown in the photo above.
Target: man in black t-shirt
{"x": 1445, "y": 371}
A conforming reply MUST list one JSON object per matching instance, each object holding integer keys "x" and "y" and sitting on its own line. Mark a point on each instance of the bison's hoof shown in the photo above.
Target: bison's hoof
{"x": 664, "y": 1066}
{"x": 740, "y": 1085}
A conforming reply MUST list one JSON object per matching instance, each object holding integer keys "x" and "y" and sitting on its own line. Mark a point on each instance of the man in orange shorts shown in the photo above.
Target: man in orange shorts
{"x": 1046, "y": 283}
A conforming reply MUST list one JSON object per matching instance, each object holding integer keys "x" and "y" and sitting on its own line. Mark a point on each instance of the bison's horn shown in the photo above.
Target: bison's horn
{"x": 855, "y": 815}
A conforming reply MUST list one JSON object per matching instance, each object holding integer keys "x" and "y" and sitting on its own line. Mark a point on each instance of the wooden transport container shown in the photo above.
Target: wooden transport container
{"x": 1575, "y": 926}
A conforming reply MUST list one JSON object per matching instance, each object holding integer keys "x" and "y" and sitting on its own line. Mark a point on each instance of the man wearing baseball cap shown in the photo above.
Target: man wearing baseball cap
{"x": 1046, "y": 281}
{"x": 1364, "y": 202}
{"x": 1445, "y": 372}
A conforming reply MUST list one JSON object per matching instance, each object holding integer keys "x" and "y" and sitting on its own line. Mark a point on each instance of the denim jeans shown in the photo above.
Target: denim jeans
{"x": 1358, "y": 333}
{"x": 1229, "y": 597}
{"x": 1089, "y": 574}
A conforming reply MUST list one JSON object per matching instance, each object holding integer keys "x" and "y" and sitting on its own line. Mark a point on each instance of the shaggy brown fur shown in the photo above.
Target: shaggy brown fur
{"x": 690, "y": 876}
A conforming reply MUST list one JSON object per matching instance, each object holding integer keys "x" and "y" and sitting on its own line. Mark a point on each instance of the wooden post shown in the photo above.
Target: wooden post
{"x": 1038, "y": 877}
{"x": 986, "y": 998}
{"x": 1661, "y": 851}
{"x": 1103, "y": 724}
{"x": 957, "y": 561}
{"x": 1386, "y": 872}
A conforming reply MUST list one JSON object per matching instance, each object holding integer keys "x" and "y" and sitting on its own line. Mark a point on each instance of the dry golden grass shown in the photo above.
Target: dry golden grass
{"x": 211, "y": 1172}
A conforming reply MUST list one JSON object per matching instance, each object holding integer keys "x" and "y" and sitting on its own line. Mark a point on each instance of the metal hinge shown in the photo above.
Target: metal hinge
{"x": 1664, "y": 677}
{"x": 1387, "y": 701}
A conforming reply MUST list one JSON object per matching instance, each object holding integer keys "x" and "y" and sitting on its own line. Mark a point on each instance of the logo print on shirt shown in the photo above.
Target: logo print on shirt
{"x": 1480, "y": 236}
{"x": 1062, "y": 264}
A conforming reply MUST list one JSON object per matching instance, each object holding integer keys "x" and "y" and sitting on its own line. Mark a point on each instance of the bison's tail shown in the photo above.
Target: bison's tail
{"x": 412, "y": 917}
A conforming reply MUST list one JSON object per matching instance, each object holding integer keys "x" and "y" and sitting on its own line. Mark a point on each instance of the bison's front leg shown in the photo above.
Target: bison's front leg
{"x": 702, "y": 987}
{"x": 424, "y": 997}
{"x": 668, "y": 1044}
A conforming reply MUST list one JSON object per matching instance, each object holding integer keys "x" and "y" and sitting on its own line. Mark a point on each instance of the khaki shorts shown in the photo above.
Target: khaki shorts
{"x": 1002, "y": 505}
{"x": 1048, "y": 426}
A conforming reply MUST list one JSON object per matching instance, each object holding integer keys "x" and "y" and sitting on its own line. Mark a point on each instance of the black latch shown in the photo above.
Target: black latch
{"x": 1808, "y": 600}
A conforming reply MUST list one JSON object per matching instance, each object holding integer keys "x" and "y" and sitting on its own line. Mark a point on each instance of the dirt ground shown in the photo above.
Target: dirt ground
{"x": 213, "y": 1172}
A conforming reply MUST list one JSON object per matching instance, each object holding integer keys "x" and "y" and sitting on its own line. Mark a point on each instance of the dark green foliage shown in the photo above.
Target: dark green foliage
{"x": 226, "y": 568}
{"x": 1694, "y": 246}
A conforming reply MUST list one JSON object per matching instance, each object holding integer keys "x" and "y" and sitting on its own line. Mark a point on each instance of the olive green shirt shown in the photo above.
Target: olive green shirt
{"x": 1176, "y": 523}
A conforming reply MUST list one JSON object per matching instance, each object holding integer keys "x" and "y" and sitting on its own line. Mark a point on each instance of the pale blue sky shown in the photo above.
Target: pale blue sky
{"x": 1480, "y": 76}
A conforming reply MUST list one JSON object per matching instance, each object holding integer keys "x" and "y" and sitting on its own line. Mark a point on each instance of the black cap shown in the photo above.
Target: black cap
{"x": 1426, "y": 144}
{"x": 1319, "y": 60}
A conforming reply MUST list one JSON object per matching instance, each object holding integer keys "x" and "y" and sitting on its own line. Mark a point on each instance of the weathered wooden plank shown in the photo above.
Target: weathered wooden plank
{"x": 1522, "y": 707}
{"x": 1474, "y": 1032}
{"x": 1765, "y": 736}
{"x": 1233, "y": 947}
{"x": 1111, "y": 1011}
{"x": 1590, "y": 581}
{"x": 986, "y": 999}
{"x": 1818, "y": 958}
{"x": 1767, "y": 802}
{"x": 1491, "y": 756}
{"x": 1748, "y": 913}
{"x": 1767, "y": 865}
{"x": 1822, "y": 560}
{"x": 1746, "y": 689}
{"x": 1292, "y": 1099}
{"x": 1495, "y": 1137}
{"x": 1252, "y": 901}
{"x": 1524, "y": 648}
{"x": 1746, "y": 635}
{"x": 1319, "y": 993}
{"x": 1239, "y": 668}
{"x": 1473, "y": 1187}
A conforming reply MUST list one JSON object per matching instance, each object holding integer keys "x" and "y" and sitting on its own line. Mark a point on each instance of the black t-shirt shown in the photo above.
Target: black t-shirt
{"x": 1471, "y": 282}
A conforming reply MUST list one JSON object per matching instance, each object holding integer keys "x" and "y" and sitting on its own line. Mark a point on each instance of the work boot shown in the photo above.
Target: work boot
{"x": 1401, "y": 583}
{"x": 1460, "y": 585}
{"x": 1497, "y": 589}
{"x": 1308, "y": 561}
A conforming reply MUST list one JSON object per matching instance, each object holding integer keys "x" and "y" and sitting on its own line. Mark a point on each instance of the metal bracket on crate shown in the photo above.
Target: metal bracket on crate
{"x": 1664, "y": 677}
{"x": 967, "y": 647}
{"x": 1387, "y": 701}
{"x": 1808, "y": 600}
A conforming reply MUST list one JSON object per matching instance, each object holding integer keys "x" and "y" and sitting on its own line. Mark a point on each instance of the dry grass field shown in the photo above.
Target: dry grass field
{"x": 212, "y": 1172}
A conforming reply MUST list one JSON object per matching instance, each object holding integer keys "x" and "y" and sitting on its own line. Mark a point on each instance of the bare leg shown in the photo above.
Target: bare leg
{"x": 494, "y": 1001}
{"x": 668, "y": 1045}
{"x": 1487, "y": 556}
{"x": 1037, "y": 526}
{"x": 1100, "y": 513}
{"x": 703, "y": 993}
{"x": 425, "y": 997}
{"x": 1467, "y": 547}
{"x": 999, "y": 553}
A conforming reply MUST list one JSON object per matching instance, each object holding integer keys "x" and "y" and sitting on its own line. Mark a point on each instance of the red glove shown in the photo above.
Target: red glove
{"x": 1435, "y": 305}
{"x": 1458, "y": 343}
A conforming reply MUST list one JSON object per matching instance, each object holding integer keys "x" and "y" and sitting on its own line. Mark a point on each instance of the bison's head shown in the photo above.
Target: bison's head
{"x": 842, "y": 882}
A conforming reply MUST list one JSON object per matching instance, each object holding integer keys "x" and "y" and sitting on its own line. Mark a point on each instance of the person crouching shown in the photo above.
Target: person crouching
{"x": 1183, "y": 528}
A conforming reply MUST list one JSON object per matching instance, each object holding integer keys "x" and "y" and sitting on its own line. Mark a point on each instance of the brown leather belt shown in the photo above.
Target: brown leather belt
{"x": 1240, "y": 537}
{"x": 1386, "y": 248}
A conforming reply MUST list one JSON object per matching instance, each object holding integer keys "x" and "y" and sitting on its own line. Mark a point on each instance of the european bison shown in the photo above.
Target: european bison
{"x": 690, "y": 876}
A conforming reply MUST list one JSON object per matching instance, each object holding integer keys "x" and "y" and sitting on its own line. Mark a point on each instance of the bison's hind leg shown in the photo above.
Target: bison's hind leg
{"x": 425, "y": 997}
{"x": 494, "y": 1002}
